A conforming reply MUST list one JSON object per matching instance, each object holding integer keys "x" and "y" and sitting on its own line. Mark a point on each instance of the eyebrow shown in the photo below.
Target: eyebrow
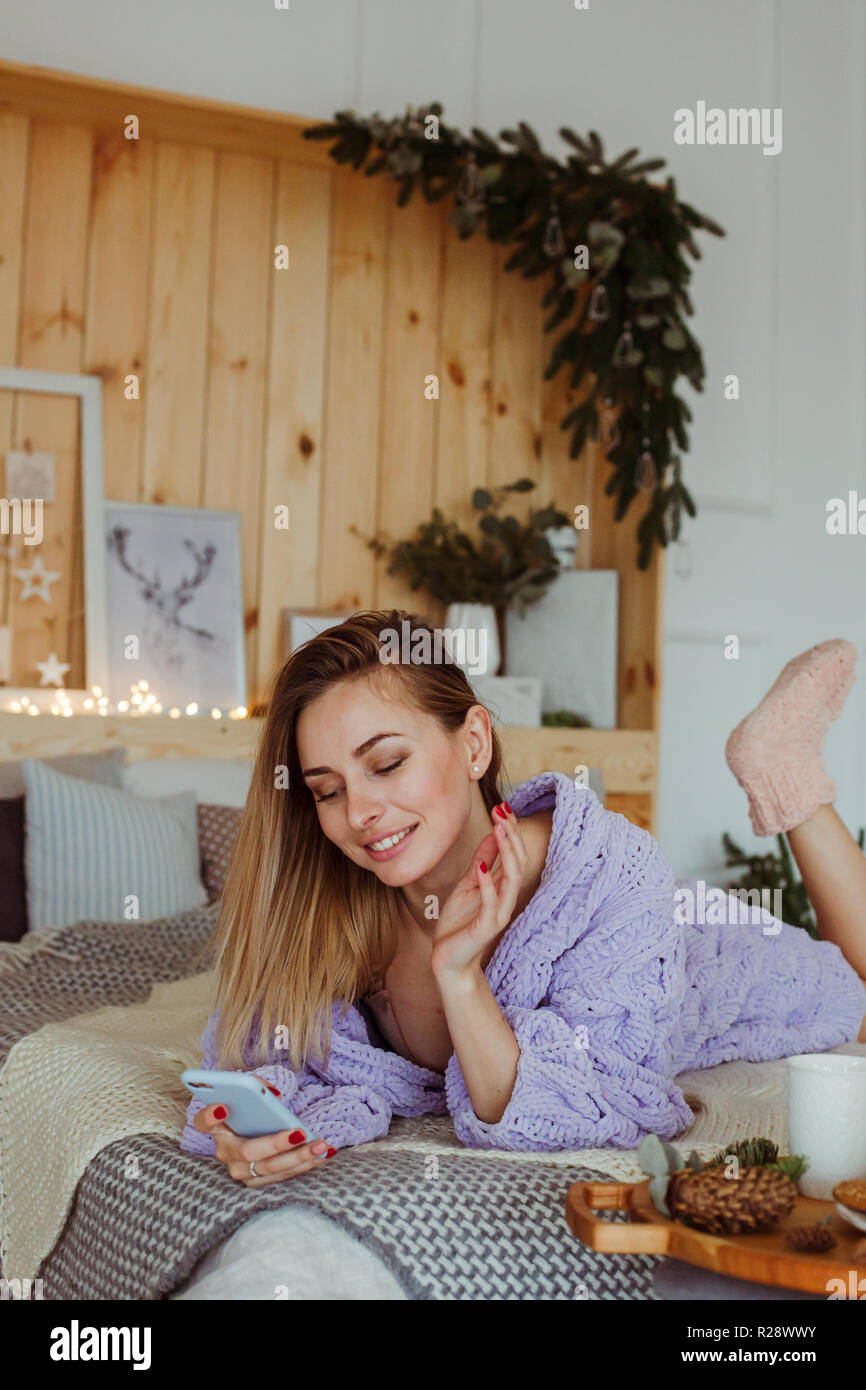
{"x": 358, "y": 753}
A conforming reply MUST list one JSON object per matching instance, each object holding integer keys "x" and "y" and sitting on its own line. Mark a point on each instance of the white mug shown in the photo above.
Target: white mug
{"x": 827, "y": 1119}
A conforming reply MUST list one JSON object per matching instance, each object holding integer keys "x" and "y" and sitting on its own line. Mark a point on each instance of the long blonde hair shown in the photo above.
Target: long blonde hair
{"x": 302, "y": 926}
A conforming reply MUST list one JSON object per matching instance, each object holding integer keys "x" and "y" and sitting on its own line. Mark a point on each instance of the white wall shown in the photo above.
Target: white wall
{"x": 780, "y": 302}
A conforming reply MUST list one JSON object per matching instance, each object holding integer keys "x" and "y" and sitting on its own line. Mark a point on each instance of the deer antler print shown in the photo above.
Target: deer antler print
{"x": 166, "y": 603}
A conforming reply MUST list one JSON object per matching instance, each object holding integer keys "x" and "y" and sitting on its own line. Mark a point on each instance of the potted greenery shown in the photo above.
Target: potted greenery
{"x": 509, "y": 566}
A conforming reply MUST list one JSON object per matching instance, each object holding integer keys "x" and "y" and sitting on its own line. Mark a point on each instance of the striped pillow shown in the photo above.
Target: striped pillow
{"x": 97, "y": 853}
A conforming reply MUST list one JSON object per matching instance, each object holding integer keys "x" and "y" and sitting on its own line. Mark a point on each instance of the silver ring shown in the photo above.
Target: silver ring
{"x": 253, "y": 1173}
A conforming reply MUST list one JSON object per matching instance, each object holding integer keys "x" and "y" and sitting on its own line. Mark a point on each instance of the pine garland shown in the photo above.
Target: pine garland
{"x": 621, "y": 301}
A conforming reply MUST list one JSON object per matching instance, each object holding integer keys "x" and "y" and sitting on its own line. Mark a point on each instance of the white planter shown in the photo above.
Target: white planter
{"x": 476, "y": 641}
{"x": 563, "y": 542}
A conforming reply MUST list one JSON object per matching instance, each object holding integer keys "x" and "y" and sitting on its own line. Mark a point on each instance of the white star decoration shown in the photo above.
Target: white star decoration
{"x": 36, "y": 580}
{"x": 52, "y": 670}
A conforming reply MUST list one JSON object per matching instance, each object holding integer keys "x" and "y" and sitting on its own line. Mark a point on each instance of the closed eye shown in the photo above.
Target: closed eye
{"x": 399, "y": 763}
{"x": 381, "y": 773}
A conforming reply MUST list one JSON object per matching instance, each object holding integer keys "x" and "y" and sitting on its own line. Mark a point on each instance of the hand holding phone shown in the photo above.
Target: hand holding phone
{"x": 260, "y": 1140}
{"x": 252, "y": 1106}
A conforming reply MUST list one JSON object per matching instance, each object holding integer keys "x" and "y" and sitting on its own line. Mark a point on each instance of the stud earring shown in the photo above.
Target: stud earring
{"x": 475, "y": 767}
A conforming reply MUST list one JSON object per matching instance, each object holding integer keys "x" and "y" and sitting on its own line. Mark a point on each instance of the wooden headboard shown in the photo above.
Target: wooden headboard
{"x": 626, "y": 757}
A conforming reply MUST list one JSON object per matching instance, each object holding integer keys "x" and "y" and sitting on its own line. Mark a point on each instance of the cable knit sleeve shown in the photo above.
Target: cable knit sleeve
{"x": 350, "y": 1102}
{"x": 595, "y": 1063}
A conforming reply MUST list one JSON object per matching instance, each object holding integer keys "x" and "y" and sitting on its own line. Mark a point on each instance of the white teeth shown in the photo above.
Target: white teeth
{"x": 391, "y": 840}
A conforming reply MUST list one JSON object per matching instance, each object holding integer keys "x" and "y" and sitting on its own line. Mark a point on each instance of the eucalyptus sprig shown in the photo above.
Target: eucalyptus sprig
{"x": 622, "y": 312}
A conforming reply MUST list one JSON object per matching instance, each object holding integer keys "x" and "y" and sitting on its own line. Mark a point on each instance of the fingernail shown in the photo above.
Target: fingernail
{"x": 483, "y": 867}
{"x": 297, "y": 1136}
{"x": 273, "y": 1090}
{"x": 320, "y": 1148}
{"x": 220, "y": 1112}
{"x": 499, "y": 811}
{"x": 508, "y": 808}
{"x": 331, "y": 1153}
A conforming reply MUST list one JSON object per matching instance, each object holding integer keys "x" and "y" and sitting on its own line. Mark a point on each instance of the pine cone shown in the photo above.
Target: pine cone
{"x": 730, "y": 1206}
{"x": 815, "y": 1238}
{"x": 749, "y": 1152}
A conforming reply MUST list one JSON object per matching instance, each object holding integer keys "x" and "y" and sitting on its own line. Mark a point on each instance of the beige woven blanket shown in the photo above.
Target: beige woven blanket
{"x": 72, "y": 1088}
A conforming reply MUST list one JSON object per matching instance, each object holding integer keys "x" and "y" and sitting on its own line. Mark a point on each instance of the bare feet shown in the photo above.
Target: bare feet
{"x": 775, "y": 752}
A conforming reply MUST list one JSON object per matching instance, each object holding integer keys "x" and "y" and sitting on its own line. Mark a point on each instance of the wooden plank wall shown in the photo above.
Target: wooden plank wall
{"x": 261, "y": 386}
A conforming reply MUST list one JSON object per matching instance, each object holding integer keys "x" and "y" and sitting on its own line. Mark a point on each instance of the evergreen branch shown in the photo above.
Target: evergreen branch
{"x": 638, "y": 236}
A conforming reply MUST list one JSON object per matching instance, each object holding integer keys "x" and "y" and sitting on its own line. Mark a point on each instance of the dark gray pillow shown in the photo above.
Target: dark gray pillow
{"x": 104, "y": 767}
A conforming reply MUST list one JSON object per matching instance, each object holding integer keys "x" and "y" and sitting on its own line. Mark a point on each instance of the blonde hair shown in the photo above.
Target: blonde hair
{"x": 302, "y": 926}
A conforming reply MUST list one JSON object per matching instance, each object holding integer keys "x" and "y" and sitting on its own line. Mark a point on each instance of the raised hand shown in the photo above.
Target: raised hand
{"x": 480, "y": 905}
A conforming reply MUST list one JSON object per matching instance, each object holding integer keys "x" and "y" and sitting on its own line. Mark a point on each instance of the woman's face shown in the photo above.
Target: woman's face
{"x": 379, "y": 768}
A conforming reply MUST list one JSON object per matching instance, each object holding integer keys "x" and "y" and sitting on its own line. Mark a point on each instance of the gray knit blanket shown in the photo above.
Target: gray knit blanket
{"x": 485, "y": 1228}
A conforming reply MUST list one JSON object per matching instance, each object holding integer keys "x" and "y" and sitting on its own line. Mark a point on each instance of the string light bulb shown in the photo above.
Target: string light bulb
{"x": 142, "y": 700}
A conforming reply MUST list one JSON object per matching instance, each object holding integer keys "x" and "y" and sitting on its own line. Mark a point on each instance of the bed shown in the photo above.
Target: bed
{"x": 98, "y": 1018}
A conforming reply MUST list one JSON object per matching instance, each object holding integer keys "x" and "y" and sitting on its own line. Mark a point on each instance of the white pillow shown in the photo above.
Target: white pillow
{"x": 90, "y": 848}
{"x": 215, "y": 781}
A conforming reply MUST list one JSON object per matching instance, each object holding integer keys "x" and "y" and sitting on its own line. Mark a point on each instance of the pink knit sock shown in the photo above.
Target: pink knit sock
{"x": 775, "y": 752}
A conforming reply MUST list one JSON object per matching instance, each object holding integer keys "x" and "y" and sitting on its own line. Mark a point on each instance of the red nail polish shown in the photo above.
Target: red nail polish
{"x": 508, "y": 808}
{"x": 331, "y": 1153}
{"x": 499, "y": 811}
{"x": 297, "y": 1136}
{"x": 220, "y": 1112}
{"x": 483, "y": 867}
{"x": 273, "y": 1090}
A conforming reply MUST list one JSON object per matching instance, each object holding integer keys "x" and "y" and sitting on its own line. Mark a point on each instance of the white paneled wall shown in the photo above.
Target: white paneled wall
{"x": 780, "y": 302}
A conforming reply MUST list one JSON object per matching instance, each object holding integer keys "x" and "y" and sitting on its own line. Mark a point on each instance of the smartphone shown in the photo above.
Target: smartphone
{"x": 253, "y": 1109}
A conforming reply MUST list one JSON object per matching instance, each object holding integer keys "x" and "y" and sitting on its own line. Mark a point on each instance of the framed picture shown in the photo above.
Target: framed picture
{"x": 52, "y": 579}
{"x": 570, "y": 636}
{"x": 174, "y": 604}
{"x": 300, "y": 624}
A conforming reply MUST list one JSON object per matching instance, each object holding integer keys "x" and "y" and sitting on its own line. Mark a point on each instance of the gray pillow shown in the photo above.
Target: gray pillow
{"x": 98, "y": 853}
{"x": 104, "y": 767}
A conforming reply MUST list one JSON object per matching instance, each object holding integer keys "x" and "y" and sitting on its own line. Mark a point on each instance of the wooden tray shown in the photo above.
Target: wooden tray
{"x": 762, "y": 1257}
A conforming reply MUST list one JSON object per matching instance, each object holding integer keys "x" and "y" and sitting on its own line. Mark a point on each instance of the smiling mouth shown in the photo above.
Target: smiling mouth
{"x": 386, "y": 846}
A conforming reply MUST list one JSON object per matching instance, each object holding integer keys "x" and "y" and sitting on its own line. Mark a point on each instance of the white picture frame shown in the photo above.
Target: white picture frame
{"x": 88, "y": 389}
{"x": 175, "y": 583}
{"x": 300, "y": 624}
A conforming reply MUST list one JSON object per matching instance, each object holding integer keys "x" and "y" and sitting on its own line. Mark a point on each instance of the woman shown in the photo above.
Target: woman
{"x": 394, "y": 939}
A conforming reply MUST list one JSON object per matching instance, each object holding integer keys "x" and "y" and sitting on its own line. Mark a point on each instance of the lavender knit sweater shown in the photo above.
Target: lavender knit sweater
{"x": 609, "y": 997}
